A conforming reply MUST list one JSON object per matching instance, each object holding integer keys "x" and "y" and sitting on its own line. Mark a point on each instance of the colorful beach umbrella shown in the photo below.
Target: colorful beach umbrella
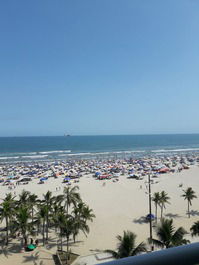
{"x": 42, "y": 179}
{"x": 31, "y": 247}
{"x": 150, "y": 216}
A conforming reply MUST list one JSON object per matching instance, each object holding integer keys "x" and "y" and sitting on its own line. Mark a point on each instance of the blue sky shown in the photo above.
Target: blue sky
{"x": 99, "y": 67}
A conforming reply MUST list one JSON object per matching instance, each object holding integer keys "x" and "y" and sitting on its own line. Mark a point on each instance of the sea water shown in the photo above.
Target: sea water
{"x": 15, "y": 149}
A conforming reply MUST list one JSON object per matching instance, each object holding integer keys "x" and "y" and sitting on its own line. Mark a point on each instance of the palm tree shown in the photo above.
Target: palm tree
{"x": 48, "y": 200}
{"x": 56, "y": 209}
{"x": 164, "y": 198}
{"x": 23, "y": 197}
{"x": 32, "y": 202}
{"x": 6, "y": 212}
{"x": 126, "y": 246}
{"x": 71, "y": 197}
{"x": 60, "y": 222}
{"x": 82, "y": 210}
{"x": 168, "y": 236}
{"x": 156, "y": 200}
{"x": 59, "y": 199}
{"x": 67, "y": 231}
{"x": 22, "y": 223}
{"x": 79, "y": 225}
{"x": 41, "y": 219}
{"x": 195, "y": 229}
{"x": 189, "y": 195}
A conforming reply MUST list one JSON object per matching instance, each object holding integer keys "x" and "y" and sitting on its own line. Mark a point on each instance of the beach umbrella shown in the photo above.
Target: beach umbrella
{"x": 164, "y": 170}
{"x": 10, "y": 180}
{"x": 31, "y": 247}
{"x": 150, "y": 216}
{"x": 42, "y": 179}
{"x": 97, "y": 174}
{"x": 67, "y": 179}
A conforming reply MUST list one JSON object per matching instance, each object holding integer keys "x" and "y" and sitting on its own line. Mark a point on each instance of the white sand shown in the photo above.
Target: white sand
{"x": 118, "y": 206}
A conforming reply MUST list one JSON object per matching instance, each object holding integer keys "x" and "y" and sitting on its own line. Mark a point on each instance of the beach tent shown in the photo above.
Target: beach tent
{"x": 97, "y": 174}
{"x": 66, "y": 179}
{"x": 42, "y": 179}
{"x": 150, "y": 216}
{"x": 10, "y": 177}
{"x": 164, "y": 170}
{"x": 10, "y": 180}
{"x": 21, "y": 179}
{"x": 31, "y": 247}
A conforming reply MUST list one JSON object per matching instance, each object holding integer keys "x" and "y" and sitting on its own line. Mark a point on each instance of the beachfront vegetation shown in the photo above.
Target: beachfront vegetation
{"x": 156, "y": 200}
{"x": 67, "y": 214}
{"x": 126, "y": 246}
{"x": 7, "y": 212}
{"x": 160, "y": 199}
{"x": 164, "y": 198}
{"x": 195, "y": 229}
{"x": 189, "y": 195}
{"x": 168, "y": 236}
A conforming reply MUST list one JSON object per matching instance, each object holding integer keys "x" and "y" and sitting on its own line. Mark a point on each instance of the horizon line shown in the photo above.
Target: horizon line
{"x": 82, "y": 135}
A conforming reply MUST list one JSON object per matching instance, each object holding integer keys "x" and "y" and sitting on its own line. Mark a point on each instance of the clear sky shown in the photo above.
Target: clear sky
{"x": 99, "y": 67}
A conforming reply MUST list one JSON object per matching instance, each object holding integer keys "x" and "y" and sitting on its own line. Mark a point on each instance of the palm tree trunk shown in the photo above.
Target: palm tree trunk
{"x": 61, "y": 239}
{"x": 25, "y": 239}
{"x": 47, "y": 226}
{"x": 161, "y": 211}
{"x": 156, "y": 212}
{"x": 188, "y": 210}
{"x": 38, "y": 228}
{"x": 43, "y": 232}
{"x": 32, "y": 215}
{"x": 7, "y": 230}
{"x": 67, "y": 208}
{"x": 67, "y": 248}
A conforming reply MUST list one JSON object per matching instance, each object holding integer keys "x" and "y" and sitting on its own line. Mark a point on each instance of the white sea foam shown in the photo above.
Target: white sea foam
{"x": 80, "y": 154}
{"x": 36, "y": 156}
{"x": 175, "y": 150}
{"x": 28, "y": 153}
{"x": 118, "y": 152}
{"x": 54, "y": 152}
{"x": 135, "y": 151}
{"x": 104, "y": 153}
{"x": 8, "y": 157}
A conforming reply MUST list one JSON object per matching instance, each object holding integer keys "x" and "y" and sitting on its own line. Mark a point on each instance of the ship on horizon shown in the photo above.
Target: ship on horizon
{"x": 67, "y": 135}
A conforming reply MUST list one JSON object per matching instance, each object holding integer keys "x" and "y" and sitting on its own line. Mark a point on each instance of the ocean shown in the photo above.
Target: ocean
{"x": 17, "y": 149}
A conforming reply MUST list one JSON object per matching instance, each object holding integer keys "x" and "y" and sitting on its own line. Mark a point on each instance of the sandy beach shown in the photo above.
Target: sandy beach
{"x": 118, "y": 206}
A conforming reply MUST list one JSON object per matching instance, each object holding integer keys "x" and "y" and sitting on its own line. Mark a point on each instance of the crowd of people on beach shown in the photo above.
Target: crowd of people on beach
{"x": 21, "y": 174}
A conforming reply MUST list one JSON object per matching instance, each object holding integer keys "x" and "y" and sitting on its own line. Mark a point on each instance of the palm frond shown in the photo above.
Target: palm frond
{"x": 139, "y": 249}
